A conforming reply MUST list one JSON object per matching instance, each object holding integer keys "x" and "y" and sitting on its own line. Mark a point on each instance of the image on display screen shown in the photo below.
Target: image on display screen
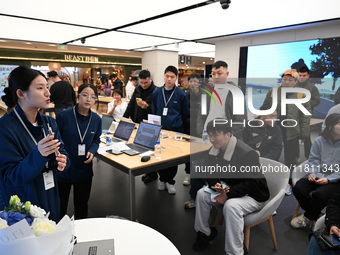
{"x": 266, "y": 63}
{"x": 124, "y": 130}
{"x": 147, "y": 134}
{"x": 4, "y": 72}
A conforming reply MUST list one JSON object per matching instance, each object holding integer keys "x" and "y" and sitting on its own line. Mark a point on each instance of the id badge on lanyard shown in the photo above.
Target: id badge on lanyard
{"x": 165, "y": 111}
{"x": 81, "y": 149}
{"x": 48, "y": 180}
{"x": 81, "y": 146}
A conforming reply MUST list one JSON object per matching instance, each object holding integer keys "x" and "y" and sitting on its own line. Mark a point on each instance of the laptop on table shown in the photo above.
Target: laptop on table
{"x": 123, "y": 131}
{"x": 106, "y": 123}
{"x": 145, "y": 139}
{"x": 98, "y": 247}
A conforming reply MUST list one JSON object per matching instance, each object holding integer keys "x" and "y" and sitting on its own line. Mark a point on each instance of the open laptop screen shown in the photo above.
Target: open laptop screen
{"x": 147, "y": 134}
{"x": 124, "y": 130}
{"x": 106, "y": 123}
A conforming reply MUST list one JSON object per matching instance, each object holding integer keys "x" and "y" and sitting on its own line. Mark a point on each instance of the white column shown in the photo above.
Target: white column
{"x": 156, "y": 61}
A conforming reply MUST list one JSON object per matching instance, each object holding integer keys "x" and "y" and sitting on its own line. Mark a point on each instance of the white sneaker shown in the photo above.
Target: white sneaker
{"x": 190, "y": 204}
{"x": 186, "y": 181}
{"x": 300, "y": 221}
{"x": 171, "y": 188}
{"x": 289, "y": 190}
{"x": 161, "y": 185}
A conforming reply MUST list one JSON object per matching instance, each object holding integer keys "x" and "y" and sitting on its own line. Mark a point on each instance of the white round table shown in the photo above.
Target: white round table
{"x": 129, "y": 237}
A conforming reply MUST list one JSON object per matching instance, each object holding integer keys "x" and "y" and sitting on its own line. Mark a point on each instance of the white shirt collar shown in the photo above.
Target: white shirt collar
{"x": 228, "y": 152}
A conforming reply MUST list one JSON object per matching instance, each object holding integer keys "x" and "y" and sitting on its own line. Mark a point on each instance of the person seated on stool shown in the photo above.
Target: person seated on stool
{"x": 324, "y": 179}
{"x": 246, "y": 192}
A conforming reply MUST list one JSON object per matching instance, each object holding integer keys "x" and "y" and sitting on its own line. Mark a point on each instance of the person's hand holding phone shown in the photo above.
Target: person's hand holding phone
{"x": 321, "y": 181}
{"x": 335, "y": 231}
{"x": 47, "y": 145}
{"x": 142, "y": 104}
{"x": 219, "y": 188}
{"x": 61, "y": 161}
{"x": 312, "y": 177}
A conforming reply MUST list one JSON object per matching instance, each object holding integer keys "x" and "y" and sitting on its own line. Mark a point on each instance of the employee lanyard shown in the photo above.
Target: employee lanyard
{"x": 81, "y": 137}
{"x": 166, "y": 102}
{"x": 22, "y": 122}
{"x": 35, "y": 141}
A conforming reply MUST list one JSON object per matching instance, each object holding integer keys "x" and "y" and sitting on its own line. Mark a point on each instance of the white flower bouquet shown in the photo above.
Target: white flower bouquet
{"x": 26, "y": 229}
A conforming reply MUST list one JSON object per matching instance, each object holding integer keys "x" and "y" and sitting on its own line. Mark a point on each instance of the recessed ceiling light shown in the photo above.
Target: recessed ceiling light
{"x": 111, "y": 50}
{"x": 52, "y": 45}
{"x": 203, "y": 62}
{"x": 28, "y": 43}
{"x": 93, "y": 49}
{"x": 127, "y": 51}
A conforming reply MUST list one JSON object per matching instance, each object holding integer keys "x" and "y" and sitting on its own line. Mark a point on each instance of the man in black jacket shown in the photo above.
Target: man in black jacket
{"x": 234, "y": 191}
{"x": 139, "y": 110}
{"x": 140, "y": 106}
{"x": 62, "y": 93}
{"x": 116, "y": 82}
{"x": 264, "y": 137}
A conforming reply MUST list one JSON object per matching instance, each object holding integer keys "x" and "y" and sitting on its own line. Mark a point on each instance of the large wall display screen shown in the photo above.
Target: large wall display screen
{"x": 265, "y": 64}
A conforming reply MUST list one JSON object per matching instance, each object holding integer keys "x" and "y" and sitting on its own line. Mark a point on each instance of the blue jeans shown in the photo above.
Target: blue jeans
{"x": 314, "y": 249}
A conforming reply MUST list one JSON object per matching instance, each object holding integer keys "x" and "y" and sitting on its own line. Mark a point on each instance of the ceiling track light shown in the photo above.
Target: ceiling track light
{"x": 225, "y": 4}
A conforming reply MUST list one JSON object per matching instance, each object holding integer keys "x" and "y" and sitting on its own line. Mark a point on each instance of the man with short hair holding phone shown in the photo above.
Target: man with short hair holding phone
{"x": 235, "y": 193}
{"x": 140, "y": 103}
{"x": 140, "y": 106}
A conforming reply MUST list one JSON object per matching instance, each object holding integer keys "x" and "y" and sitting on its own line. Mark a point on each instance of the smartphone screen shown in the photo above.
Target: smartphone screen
{"x": 335, "y": 240}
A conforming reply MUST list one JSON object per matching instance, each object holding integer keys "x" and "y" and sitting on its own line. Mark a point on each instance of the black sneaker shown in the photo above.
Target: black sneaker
{"x": 202, "y": 240}
{"x": 150, "y": 177}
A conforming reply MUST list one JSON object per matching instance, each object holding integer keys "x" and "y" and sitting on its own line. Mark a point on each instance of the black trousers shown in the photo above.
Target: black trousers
{"x": 292, "y": 152}
{"x": 187, "y": 168}
{"x": 291, "y": 149}
{"x": 313, "y": 203}
{"x": 168, "y": 175}
{"x": 81, "y": 196}
{"x": 308, "y": 145}
{"x": 154, "y": 174}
